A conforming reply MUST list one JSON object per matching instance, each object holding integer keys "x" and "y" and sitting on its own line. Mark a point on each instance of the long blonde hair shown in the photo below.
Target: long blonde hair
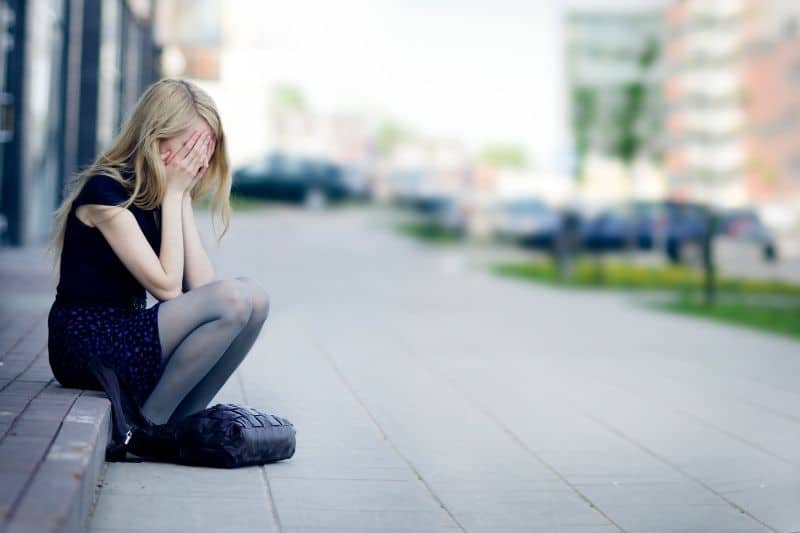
{"x": 165, "y": 109}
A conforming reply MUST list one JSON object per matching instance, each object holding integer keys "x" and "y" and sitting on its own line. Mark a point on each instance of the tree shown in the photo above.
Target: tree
{"x": 584, "y": 104}
{"x": 389, "y": 135}
{"x": 631, "y": 136}
{"x": 504, "y": 156}
{"x": 288, "y": 98}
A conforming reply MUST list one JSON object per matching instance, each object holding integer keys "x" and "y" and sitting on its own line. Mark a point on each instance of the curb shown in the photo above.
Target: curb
{"x": 62, "y": 491}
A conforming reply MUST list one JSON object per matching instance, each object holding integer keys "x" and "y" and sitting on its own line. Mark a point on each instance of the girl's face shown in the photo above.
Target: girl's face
{"x": 168, "y": 147}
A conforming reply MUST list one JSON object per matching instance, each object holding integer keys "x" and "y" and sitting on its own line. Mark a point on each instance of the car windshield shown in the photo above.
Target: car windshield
{"x": 287, "y": 166}
{"x": 619, "y": 213}
{"x": 648, "y": 210}
{"x": 525, "y": 207}
{"x": 259, "y": 167}
{"x": 686, "y": 212}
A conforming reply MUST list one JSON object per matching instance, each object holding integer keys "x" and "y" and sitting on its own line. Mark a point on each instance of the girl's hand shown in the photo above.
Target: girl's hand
{"x": 187, "y": 163}
{"x": 212, "y": 142}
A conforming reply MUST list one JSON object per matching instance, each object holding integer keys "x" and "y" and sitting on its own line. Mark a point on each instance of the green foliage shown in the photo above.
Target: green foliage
{"x": 629, "y": 141}
{"x": 504, "y": 156}
{"x": 289, "y": 97}
{"x": 626, "y": 132}
{"x": 631, "y": 138}
{"x": 389, "y": 135}
{"x": 584, "y": 104}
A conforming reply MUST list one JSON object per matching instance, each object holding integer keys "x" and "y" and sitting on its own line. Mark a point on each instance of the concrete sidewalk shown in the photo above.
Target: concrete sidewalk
{"x": 431, "y": 396}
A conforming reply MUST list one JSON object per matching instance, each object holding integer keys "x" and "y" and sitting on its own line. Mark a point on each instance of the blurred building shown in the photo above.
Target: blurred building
{"x": 771, "y": 83}
{"x": 706, "y": 153}
{"x": 614, "y": 77}
{"x": 190, "y": 32}
{"x": 732, "y": 88}
{"x": 69, "y": 72}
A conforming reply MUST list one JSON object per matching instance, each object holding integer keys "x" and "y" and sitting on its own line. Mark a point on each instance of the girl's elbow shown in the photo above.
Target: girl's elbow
{"x": 167, "y": 294}
{"x": 173, "y": 294}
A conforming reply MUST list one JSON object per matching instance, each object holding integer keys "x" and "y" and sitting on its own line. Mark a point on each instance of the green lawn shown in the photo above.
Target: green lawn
{"x": 622, "y": 275}
{"x": 769, "y": 305}
{"x": 766, "y": 316}
{"x": 428, "y": 232}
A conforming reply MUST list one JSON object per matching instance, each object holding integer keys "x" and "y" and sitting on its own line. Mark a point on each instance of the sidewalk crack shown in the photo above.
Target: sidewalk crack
{"x": 262, "y": 468}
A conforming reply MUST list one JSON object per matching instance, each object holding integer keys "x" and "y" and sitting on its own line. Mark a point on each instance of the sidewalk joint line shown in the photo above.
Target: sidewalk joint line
{"x": 262, "y": 468}
{"x": 469, "y": 397}
{"x": 632, "y": 390}
{"x": 377, "y": 424}
{"x": 33, "y": 359}
{"x": 610, "y": 427}
{"x": 702, "y": 421}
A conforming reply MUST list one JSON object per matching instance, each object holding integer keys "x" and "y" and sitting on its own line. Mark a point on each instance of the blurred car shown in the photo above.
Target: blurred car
{"x": 745, "y": 226}
{"x": 357, "y": 182}
{"x": 313, "y": 182}
{"x": 631, "y": 226}
{"x": 528, "y": 222}
{"x": 406, "y": 186}
{"x": 678, "y": 228}
{"x": 443, "y": 211}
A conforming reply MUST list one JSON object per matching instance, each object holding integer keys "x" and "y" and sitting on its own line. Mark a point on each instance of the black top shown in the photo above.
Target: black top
{"x": 90, "y": 269}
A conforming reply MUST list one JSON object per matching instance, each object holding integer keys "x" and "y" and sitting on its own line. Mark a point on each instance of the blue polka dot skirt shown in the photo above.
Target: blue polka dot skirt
{"x": 127, "y": 340}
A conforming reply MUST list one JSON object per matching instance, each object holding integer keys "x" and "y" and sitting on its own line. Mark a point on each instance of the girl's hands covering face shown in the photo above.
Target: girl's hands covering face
{"x": 187, "y": 155}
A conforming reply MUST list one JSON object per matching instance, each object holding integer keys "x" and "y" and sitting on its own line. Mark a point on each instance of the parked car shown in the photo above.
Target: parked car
{"x": 678, "y": 228}
{"x": 443, "y": 211}
{"x": 407, "y": 186}
{"x": 528, "y": 222}
{"x": 744, "y": 225}
{"x": 626, "y": 226}
{"x": 357, "y": 182}
{"x": 314, "y": 182}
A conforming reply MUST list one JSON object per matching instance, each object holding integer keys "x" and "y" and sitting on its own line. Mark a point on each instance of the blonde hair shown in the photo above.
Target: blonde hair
{"x": 165, "y": 109}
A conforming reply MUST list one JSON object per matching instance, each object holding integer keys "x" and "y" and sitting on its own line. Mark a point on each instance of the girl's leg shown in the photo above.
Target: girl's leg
{"x": 195, "y": 328}
{"x": 200, "y": 396}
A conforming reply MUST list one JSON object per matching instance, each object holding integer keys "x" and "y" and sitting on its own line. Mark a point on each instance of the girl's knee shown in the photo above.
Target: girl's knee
{"x": 235, "y": 303}
{"x": 258, "y": 297}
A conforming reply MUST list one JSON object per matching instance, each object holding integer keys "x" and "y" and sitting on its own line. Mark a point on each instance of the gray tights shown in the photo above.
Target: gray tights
{"x": 205, "y": 334}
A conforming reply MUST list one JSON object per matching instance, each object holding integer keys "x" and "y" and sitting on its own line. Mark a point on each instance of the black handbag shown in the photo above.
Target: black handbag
{"x": 223, "y": 435}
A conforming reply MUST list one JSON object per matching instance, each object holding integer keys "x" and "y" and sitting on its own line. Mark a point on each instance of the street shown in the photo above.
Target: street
{"x": 429, "y": 395}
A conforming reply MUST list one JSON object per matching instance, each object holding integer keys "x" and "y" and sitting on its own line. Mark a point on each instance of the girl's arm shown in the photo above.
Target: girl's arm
{"x": 197, "y": 266}
{"x": 160, "y": 275}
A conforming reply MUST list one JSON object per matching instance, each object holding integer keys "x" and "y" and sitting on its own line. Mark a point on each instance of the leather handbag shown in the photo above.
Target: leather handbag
{"x": 225, "y": 435}
{"x": 228, "y": 435}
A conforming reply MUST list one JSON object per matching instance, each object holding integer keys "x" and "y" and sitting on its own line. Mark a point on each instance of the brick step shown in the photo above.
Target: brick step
{"x": 52, "y": 439}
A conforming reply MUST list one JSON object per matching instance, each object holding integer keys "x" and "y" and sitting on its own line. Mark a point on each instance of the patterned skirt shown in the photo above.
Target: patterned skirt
{"x": 126, "y": 339}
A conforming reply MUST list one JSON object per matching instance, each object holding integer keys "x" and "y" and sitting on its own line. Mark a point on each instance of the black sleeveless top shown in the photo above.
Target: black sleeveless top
{"x": 90, "y": 270}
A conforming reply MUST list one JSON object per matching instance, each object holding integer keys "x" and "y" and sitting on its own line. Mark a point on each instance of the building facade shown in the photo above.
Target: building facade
{"x": 733, "y": 101}
{"x": 69, "y": 72}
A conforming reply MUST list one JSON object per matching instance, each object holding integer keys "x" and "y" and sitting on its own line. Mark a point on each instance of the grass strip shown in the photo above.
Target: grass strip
{"x": 428, "y": 232}
{"x": 783, "y": 319}
{"x": 623, "y": 275}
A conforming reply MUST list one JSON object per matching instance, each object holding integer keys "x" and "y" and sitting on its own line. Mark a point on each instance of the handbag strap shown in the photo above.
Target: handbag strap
{"x": 122, "y": 428}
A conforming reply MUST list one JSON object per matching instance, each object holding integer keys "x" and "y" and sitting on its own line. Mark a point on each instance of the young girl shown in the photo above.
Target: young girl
{"x": 127, "y": 227}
